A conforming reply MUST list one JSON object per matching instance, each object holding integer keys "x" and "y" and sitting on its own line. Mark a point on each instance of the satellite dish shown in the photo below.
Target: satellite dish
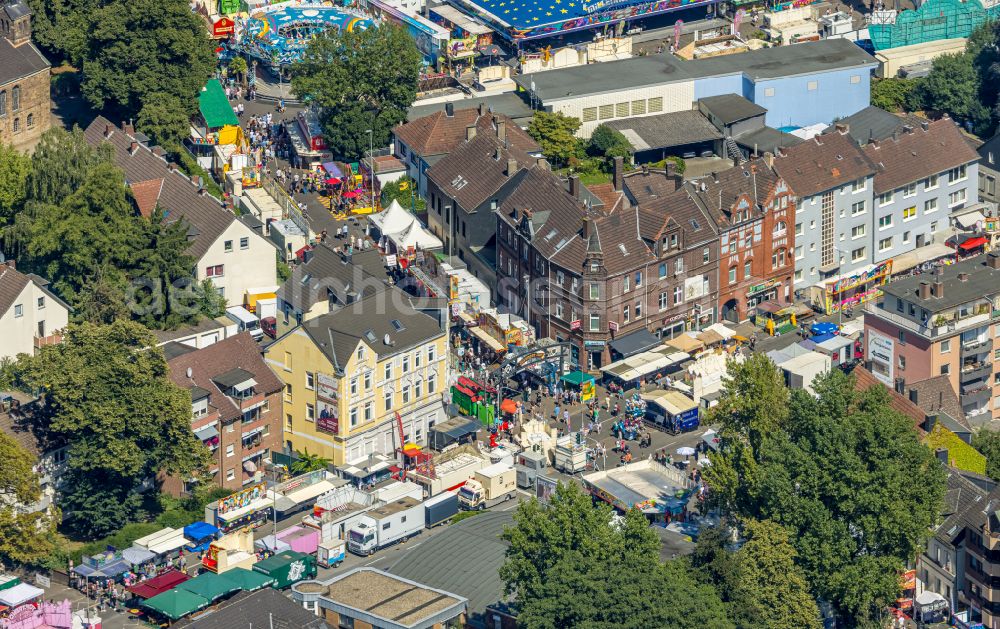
{"x": 189, "y": 372}
{"x": 387, "y": 340}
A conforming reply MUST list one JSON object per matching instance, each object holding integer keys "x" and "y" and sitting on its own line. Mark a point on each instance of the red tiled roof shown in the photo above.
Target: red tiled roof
{"x": 828, "y": 161}
{"x": 864, "y": 380}
{"x": 918, "y": 153}
{"x": 146, "y": 195}
{"x": 440, "y": 133}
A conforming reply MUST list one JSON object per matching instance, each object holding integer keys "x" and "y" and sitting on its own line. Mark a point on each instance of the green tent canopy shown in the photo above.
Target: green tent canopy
{"x": 210, "y": 586}
{"x": 215, "y": 107}
{"x": 576, "y": 378}
{"x": 248, "y": 580}
{"x": 175, "y": 604}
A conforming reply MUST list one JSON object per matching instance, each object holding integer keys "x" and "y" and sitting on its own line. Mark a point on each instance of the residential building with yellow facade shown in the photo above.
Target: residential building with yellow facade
{"x": 347, "y": 373}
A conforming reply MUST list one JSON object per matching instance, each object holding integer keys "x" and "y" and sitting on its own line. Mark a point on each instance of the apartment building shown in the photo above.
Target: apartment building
{"x": 235, "y": 408}
{"x": 923, "y": 172}
{"x": 942, "y": 324}
{"x": 753, "y": 209}
{"x": 590, "y": 276}
{"x": 347, "y": 375}
{"x": 31, "y": 315}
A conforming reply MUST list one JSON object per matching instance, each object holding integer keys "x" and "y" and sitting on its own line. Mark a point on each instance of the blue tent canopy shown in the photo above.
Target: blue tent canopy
{"x": 136, "y": 556}
{"x": 115, "y": 568}
{"x": 198, "y": 531}
{"x": 824, "y": 327}
{"x": 84, "y": 570}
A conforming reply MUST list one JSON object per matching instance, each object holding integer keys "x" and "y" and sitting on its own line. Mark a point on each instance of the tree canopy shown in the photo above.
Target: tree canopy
{"x": 361, "y": 80}
{"x": 25, "y": 537}
{"x": 555, "y": 134}
{"x": 571, "y": 565}
{"x": 107, "y": 394}
{"x": 404, "y": 192}
{"x": 843, "y": 473}
{"x": 608, "y": 142}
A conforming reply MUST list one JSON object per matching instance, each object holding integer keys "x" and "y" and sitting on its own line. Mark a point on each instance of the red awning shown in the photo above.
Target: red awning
{"x": 972, "y": 243}
{"x": 470, "y": 384}
{"x": 465, "y": 391}
{"x": 158, "y": 585}
{"x": 508, "y": 406}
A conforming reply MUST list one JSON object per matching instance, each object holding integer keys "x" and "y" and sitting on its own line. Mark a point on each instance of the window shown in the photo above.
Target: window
{"x": 387, "y": 400}
{"x": 310, "y": 412}
{"x": 388, "y": 371}
{"x": 431, "y": 381}
{"x": 909, "y": 190}
{"x": 214, "y": 271}
{"x": 31, "y": 120}
{"x": 625, "y": 284}
{"x": 798, "y": 229}
{"x": 885, "y": 244}
{"x": 369, "y": 407}
{"x": 288, "y": 393}
{"x": 595, "y": 323}
{"x": 858, "y": 254}
{"x": 310, "y": 380}
{"x": 228, "y": 245}
{"x": 885, "y": 198}
{"x": 406, "y": 394}
{"x": 655, "y": 104}
{"x": 663, "y": 303}
{"x": 589, "y": 114}
{"x": 930, "y": 205}
{"x": 638, "y": 310}
{"x": 621, "y": 110}
{"x": 706, "y": 255}
{"x": 798, "y": 275}
{"x": 906, "y": 238}
{"x": 638, "y": 279}
{"x": 859, "y": 185}
{"x": 606, "y": 112}
{"x": 945, "y": 346}
{"x": 3, "y": 103}
{"x": 902, "y": 334}
{"x": 430, "y": 353}
{"x": 954, "y": 175}
{"x": 244, "y": 243}
{"x": 778, "y": 259}
{"x": 41, "y": 303}
{"x": 368, "y": 381}
{"x": 230, "y": 474}
{"x": 15, "y": 99}
{"x": 416, "y": 360}
{"x": 858, "y": 231}
{"x": 354, "y": 386}
{"x": 678, "y": 294}
{"x": 638, "y": 107}
{"x": 417, "y": 386}
{"x": 18, "y": 310}
{"x": 663, "y": 270}
{"x": 780, "y": 227}
{"x": 732, "y": 275}
{"x": 679, "y": 266}
{"x": 595, "y": 290}
{"x": 354, "y": 417}
{"x": 625, "y": 316}
{"x": 902, "y": 362}
{"x": 798, "y": 253}
{"x": 931, "y": 182}
{"x": 768, "y": 91}
{"x": 885, "y": 222}
{"x": 406, "y": 364}
{"x": 230, "y": 450}
{"x": 812, "y": 86}
{"x": 747, "y": 269}
{"x": 910, "y": 213}
{"x": 17, "y": 125}
{"x": 956, "y": 197}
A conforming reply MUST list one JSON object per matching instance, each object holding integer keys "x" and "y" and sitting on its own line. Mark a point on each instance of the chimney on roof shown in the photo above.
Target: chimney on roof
{"x": 470, "y": 132}
{"x": 993, "y": 260}
{"x": 937, "y": 289}
{"x": 172, "y": 166}
{"x": 670, "y": 169}
{"x": 585, "y": 230}
{"x": 511, "y": 167}
{"x": 895, "y": 134}
{"x": 502, "y": 131}
{"x": 482, "y": 108}
{"x": 942, "y": 455}
{"x": 769, "y": 159}
{"x": 931, "y": 420}
{"x": 907, "y": 128}
{"x": 842, "y": 128}
{"x": 108, "y": 130}
{"x": 11, "y": 264}
{"x": 133, "y": 147}
{"x": 924, "y": 291}
{"x": 924, "y": 125}
{"x": 715, "y": 177}
{"x": 618, "y": 173}
{"x": 128, "y": 128}
{"x": 196, "y": 180}
{"x": 574, "y": 186}
{"x": 543, "y": 163}
{"x": 914, "y": 396}
{"x": 449, "y": 110}
{"x": 779, "y": 151}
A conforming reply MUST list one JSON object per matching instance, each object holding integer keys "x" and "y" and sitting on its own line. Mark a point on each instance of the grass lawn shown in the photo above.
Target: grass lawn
{"x": 587, "y": 179}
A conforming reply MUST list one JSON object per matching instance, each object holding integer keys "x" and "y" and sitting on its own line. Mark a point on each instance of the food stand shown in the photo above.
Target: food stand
{"x": 235, "y": 550}
{"x": 671, "y": 410}
{"x": 288, "y": 567}
{"x": 248, "y": 507}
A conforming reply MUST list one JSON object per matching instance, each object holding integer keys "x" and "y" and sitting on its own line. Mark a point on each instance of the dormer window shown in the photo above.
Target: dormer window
{"x": 237, "y": 383}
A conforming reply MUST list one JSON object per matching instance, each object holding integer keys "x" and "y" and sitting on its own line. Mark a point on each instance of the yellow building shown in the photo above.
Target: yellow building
{"x": 347, "y": 374}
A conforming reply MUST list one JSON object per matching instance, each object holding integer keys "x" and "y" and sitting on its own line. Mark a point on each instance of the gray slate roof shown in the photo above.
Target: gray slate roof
{"x": 19, "y": 62}
{"x": 361, "y": 275}
{"x": 508, "y": 104}
{"x": 263, "y": 608}
{"x": 871, "y": 123}
{"x": 666, "y": 130}
{"x": 465, "y": 558}
{"x": 730, "y": 108}
{"x": 766, "y": 139}
{"x": 338, "y": 333}
{"x": 982, "y": 281}
{"x": 638, "y": 72}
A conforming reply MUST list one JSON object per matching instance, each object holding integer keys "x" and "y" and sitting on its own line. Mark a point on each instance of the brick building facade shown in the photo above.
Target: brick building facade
{"x": 25, "y": 103}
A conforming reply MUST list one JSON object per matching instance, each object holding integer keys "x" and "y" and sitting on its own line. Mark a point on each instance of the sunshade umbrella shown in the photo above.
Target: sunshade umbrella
{"x": 685, "y": 451}
{"x": 350, "y": 194}
{"x": 332, "y": 181}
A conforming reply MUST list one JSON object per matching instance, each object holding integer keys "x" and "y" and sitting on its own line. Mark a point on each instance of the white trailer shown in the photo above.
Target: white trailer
{"x": 490, "y": 486}
{"x": 386, "y": 525}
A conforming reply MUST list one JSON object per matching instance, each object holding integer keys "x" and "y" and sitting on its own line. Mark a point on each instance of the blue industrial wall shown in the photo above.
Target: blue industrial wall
{"x": 794, "y": 104}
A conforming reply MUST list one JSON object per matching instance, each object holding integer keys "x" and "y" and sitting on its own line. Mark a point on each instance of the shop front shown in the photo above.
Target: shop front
{"x": 857, "y": 288}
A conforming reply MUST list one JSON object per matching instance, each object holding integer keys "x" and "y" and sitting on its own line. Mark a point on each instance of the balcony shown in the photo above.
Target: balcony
{"x": 52, "y": 339}
{"x": 976, "y": 394}
{"x": 936, "y": 327}
{"x": 975, "y": 371}
{"x": 977, "y": 346}
{"x": 251, "y": 402}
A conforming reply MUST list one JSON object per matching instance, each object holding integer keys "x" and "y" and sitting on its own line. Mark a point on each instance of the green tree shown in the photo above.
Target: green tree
{"x": 608, "y": 142}
{"x": 61, "y": 26}
{"x": 24, "y": 537}
{"x": 165, "y": 119}
{"x": 404, "y": 192}
{"x": 238, "y": 68}
{"x": 308, "y": 462}
{"x": 361, "y": 80}
{"x": 953, "y": 87}
{"x": 848, "y": 478}
{"x": 570, "y": 564}
{"x": 555, "y": 134}
{"x": 892, "y": 94}
{"x": 137, "y": 51}
{"x": 107, "y": 394}
{"x": 15, "y": 167}
{"x": 771, "y": 591}
{"x": 987, "y": 442}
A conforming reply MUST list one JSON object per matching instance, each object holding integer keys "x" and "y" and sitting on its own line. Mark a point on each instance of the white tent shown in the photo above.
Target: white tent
{"x": 403, "y": 229}
{"x": 20, "y": 593}
{"x": 415, "y": 236}
{"x": 392, "y": 219}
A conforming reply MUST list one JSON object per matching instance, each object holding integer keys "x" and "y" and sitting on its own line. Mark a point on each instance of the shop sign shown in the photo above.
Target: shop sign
{"x": 763, "y": 286}
{"x": 327, "y": 387}
{"x": 613, "y": 326}
{"x": 694, "y": 287}
{"x": 390, "y": 260}
{"x": 21, "y": 613}
{"x": 458, "y": 48}
{"x": 223, "y": 27}
{"x": 574, "y": 325}
{"x": 594, "y": 344}
{"x": 587, "y": 391}
{"x": 242, "y": 498}
{"x": 880, "y": 271}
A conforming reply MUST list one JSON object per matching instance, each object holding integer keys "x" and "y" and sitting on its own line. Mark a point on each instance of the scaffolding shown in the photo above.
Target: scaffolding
{"x": 933, "y": 21}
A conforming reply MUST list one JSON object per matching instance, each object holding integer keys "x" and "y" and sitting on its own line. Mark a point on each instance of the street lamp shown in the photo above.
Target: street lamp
{"x": 371, "y": 169}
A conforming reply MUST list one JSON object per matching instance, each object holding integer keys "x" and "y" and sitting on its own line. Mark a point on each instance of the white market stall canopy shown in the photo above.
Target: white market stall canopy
{"x": 403, "y": 229}
{"x": 640, "y": 365}
{"x": 20, "y": 593}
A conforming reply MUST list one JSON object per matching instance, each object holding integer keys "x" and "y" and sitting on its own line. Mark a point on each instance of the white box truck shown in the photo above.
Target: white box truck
{"x": 245, "y": 321}
{"x": 386, "y": 525}
{"x": 489, "y": 486}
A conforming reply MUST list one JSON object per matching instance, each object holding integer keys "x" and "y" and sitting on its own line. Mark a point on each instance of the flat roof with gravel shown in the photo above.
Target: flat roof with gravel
{"x": 387, "y": 598}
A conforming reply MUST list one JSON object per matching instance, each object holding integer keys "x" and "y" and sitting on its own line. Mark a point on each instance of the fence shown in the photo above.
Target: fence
{"x": 289, "y": 207}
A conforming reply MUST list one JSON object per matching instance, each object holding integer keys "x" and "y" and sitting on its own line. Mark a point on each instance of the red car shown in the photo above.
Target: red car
{"x": 269, "y": 326}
